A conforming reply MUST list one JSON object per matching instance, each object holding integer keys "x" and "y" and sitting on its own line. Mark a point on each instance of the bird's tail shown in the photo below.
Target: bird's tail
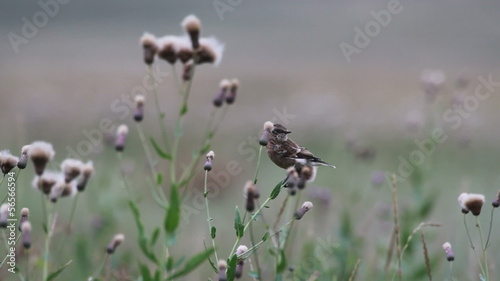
{"x": 319, "y": 162}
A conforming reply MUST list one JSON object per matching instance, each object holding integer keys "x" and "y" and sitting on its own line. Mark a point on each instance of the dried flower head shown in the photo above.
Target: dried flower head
{"x": 25, "y": 212}
{"x": 209, "y": 163}
{"x": 192, "y": 26}
{"x": 264, "y": 138}
{"x": 222, "y": 266}
{"x": 139, "y": 108}
{"x": 121, "y": 136}
{"x": 23, "y": 159}
{"x": 7, "y": 161}
{"x": 448, "y": 251}
{"x": 221, "y": 94}
{"x": 210, "y": 51}
{"x": 471, "y": 202}
{"x": 150, "y": 45}
{"x": 62, "y": 189}
{"x": 40, "y": 153}
{"x": 26, "y": 234}
{"x": 305, "y": 207}
{"x": 45, "y": 182}
{"x": 87, "y": 172}
{"x": 292, "y": 180}
{"x": 71, "y": 168}
{"x": 233, "y": 89}
{"x": 249, "y": 192}
{"x": 168, "y": 48}
{"x": 307, "y": 173}
{"x": 4, "y": 215}
{"x": 239, "y": 266}
{"x": 117, "y": 240}
{"x": 432, "y": 81}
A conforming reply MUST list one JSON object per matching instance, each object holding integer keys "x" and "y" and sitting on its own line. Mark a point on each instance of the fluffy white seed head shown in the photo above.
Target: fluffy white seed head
{"x": 191, "y": 23}
{"x": 446, "y": 246}
{"x": 41, "y": 149}
{"x": 25, "y": 212}
{"x": 139, "y": 100}
{"x": 268, "y": 126}
{"x": 211, "y": 154}
{"x": 7, "y": 161}
{"x": 307, "y": 205}
{"x": 24, "y": 149}
{"x": 213, "y": 49}
{"x": 88, "y": 169}
{"x": 148, "y": 39}
{"x": 122, "y": 130}
{"x": 241, "y": 249}
{"x": 224, "y": 84}
{"x": 26, "y": 227}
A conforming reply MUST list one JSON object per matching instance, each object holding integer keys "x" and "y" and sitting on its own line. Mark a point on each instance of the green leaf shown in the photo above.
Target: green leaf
{"x": 173, "y": 215}
{"x": 264, "y": 238}
{"x": 192, "y": 264}
{"x": 213, "y": 232}
{"x": 158, "y": 149}
{"x": 154, "y": 236}
{"x": 56, "y": 273}
{"x": 210, "y": 260}
{"x": 231, "y": 267}
{"x": 170, "y": 264}
{"x": 205, "y": 149}
{"x": 281, "y": 265}
{"x": 146, "y": 275}
{"x": 276, "y": 190}
{"x": 184, "y": 109}
{"x": 141, "y": 236}
{"x": 238, "y": 226}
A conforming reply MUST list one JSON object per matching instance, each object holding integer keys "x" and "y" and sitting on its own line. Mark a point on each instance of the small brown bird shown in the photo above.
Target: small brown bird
{"x": 286, "y": 153}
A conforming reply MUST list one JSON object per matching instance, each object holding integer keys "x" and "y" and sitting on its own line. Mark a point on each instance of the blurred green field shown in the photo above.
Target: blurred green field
{"x": 74, "y": 72}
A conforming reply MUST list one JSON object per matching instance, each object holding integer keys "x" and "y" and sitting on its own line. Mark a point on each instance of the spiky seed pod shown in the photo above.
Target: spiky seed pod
{"x": 266, "y": 132}
{"x": 186, "y": 71}
{"x": 448, "y": 251}
{"x": 23, "y": 159}
{"x": 249, "y": 191}
{"x": 45, "y": 182}
{"x": 117, "y": 240}
{"x": 223, "y": 88}
{"x": 210, "y": 51}
{"x": 26, "y": 234}
{"x": 87, "y": 171}
{"x": 222, "y": 266}
{"x": 192, "y": 26}
{"x": 139, "y": 108}
{"x": 150, "y": 45}
{"x": 7, "y": 161}
{"x": 24, "y": 217}
{"x": 121, "y": 136}
{"x": 4, "y": 215}
{"x": 209, "y": 162}
{"x": 239, "y": 267}
{"x": 40, "y": 153}
{"x": 71, "y": 168}
{"x": 233, "y": 89}
{"x": 305, "y": 207}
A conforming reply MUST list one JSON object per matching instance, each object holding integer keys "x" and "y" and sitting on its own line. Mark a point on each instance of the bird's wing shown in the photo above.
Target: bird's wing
{"x": 303, "y": 153}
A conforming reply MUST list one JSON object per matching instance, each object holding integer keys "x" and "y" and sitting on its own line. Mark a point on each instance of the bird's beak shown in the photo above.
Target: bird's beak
{"x": 287, "y": 132}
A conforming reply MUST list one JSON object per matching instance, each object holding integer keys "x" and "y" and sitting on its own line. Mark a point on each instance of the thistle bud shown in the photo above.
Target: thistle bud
{"x": 239, "y": 266}
{"x": 150, "y": 45}
{"x": 139, "y": 108}
{"x": 448, "y": 251}
{"x": 221, "y": 94}
{"x": 23, "y": 160}
{"x": 496, "y": 202}
{"x": 4, "y": 215}
{"x": 264, "y": 138}
{"x": 471, "y": 202}
{"x": 291, "y": 180}
{"x": 186, "y": 71}
{"x": 71, "y": 169}
{"x": 249, "y": 191}
{"x": 121, "y": 135}
{"x": 24, "y": 217}
{"x": 40, "y": 153}
{"x": 305, "y": 207}
{"x": 222, "y": 266}
{"x": 7, "y": 161}
{"x": 233, "y": 88}
{"x": 192, "y": 26}
{"x": 87, "y": 171}
{"x": 26, "y": 234}
{"x": 168, "y": 46}
{"x": 117, "y": 240}
{"x": 209, "y": 163}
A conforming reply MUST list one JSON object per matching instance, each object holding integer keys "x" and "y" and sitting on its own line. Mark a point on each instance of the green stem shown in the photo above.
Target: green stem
{"x": 483, "y": 247}
{"x": 161, "y": 115}
{"x": 489, "y": 230}
{"x": 71, "y": 216}
{"x": 44, "y": 212}
{"x": 149, "y": 156}
{"x": 256, "y": 257}
{"x": 47, "y": 243}
{"x": 175, "y": 77}
{"x": 120, "y": 160}
{"x": 287, "y": 236}
{"x": 472, "y": 245}
{"x": 209, "y": 219}
{"x": 99, "y": 269}
{"x": 258, "y": 165}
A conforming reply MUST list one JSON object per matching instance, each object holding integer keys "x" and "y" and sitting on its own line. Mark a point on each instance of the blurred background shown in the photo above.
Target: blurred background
{"x": 364, "y": 113}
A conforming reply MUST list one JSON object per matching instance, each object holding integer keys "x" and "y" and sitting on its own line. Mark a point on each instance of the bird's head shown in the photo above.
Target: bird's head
{"x": 280, "y": 133}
